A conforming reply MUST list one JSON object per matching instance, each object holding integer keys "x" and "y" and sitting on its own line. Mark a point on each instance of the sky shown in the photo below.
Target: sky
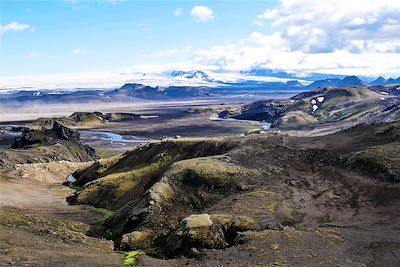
{"x": 351, "y": 37}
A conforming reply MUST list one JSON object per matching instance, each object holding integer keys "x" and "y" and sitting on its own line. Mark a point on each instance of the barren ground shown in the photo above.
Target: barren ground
{"x": 38, "y": 228}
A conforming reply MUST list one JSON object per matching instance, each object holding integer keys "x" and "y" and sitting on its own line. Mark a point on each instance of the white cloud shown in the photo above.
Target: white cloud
{"x": 360, "y": 37}
{"x": 268, "y": 14}
{"x": 326, "y": 26}
{"x": 202, "y": 13}
{"x": 76, "y": 51}
{"x": 273, "y": 52}
{"x": 35, "y": 54}
{"x": 15, "y": 27}
{"x": 178, "y": 12}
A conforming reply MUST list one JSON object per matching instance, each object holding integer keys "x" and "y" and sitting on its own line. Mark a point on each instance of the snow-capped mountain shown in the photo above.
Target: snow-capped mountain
{"x": 196, "y": 74}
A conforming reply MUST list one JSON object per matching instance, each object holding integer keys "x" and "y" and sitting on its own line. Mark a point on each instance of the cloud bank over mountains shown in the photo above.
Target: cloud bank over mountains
{"x": 335, "y": 36}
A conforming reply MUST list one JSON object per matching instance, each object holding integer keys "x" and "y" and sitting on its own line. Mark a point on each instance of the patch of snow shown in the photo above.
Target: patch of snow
{"x": 36, "y": 94}
{"x": 100, "y": 118}
{"x": 71, "y": 179}
{"x": 321, "y": 99}
{"x": 148, "y": 116}
{"x": 313, "y": 102}
{"x": 214, "y": 117}
{"x": 314, "y": 107}
{"x": 101, "y": 94}
{"x": 265, "y": 125}
{"x": 384, "y": 93}
{"x": 382, "y": 98}
{"x": 292, "y": 101}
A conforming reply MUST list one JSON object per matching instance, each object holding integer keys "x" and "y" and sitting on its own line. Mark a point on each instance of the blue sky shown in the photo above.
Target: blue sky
{"x": 107, "y": 35}
{"x": 358, "y": 37}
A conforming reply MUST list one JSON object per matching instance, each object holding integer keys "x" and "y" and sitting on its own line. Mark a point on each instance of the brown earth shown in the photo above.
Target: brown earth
{"x": 38, "y": 228}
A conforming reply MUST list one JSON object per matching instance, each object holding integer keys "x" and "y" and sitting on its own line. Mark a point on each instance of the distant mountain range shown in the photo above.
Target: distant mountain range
{"x": 286, "y": 75}
{"x": 204, "y": 85}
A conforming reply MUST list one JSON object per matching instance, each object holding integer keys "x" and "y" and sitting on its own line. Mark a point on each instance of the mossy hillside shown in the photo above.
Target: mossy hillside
{"x": 213, "y": 171}
{"x": 338, "y": 104}
{"x": 64, "y": 150}
{"x": 121, "y": 177}
{"x": 350, "y": 112}
{"x": 184, "y": 187}
{"x": 87, "y": 119}
{"x": 95, "y": 170}
{"x": 114, "y": 190}
{"x": 383, "y": 161}
{"x": 149, "y": 161}
{"x": 323, "y": 106}
{"x": 295, "y": 119}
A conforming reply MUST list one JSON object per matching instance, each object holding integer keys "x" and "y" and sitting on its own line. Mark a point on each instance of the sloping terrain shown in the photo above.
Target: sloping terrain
{"x": 342, "y": 105}
{"x": 49, "y": 144}
{"x": 38, "y": 228}
{"x": 259, "y": 200}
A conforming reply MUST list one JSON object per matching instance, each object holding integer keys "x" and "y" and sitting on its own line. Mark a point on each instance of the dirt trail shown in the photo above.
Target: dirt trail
{"x": 38, "y": 228}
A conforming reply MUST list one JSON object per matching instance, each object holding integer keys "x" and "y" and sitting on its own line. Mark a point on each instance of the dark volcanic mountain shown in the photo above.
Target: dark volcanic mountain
{"x": 380, "y": 81}
{"x": 336, "y": 82}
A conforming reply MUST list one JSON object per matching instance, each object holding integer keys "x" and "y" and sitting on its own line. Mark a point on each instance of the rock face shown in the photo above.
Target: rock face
{"x": 57, "y": 143}
{"x": 48, "y": 136}
{"x": 190, "y": 197}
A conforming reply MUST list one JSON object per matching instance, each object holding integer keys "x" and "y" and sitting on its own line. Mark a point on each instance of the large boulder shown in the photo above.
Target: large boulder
{"x": 137, "y": 240}
{"x": 199, "y": 231}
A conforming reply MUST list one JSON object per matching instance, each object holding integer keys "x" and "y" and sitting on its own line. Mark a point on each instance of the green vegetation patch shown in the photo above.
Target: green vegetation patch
{"x": 132, "y": 257}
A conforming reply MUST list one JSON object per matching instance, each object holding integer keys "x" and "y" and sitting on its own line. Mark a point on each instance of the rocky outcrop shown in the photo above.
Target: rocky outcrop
{"x": 57, "y": 143}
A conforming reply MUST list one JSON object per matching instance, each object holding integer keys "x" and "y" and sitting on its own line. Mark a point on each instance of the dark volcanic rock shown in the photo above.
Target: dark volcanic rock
{"x": 31, "y": 137}
{"x": 57, "y": 143}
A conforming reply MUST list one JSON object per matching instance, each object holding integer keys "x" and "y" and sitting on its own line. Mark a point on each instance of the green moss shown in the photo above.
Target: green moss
{"x": 213, "y": 170}
{"x": 296, "y": 118}
{"x": 132, "y": 257}
{"x": 115, "y": 187}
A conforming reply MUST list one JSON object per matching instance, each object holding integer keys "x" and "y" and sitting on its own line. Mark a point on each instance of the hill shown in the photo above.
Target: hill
{"x": 341, "y": 105}
{"x": 257, "y": 199}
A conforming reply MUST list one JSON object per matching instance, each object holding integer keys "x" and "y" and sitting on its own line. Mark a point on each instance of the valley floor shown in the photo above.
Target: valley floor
{"x": 38, "y": 227}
